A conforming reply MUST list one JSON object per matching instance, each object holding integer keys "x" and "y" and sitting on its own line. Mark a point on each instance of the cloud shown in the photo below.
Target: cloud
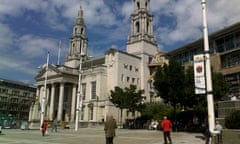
{"x": 32, "y": 46}
{"x": 176, "y": 22}
{"x": 180, "y": 21}
{"x": 6, "y": 37}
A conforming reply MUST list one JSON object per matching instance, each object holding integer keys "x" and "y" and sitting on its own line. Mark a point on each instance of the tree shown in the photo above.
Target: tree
{"x": 191, "y": 99}
{"x": 220, "y": 86}
{"x": 134, "y": 99}
{"x": 156, "y": 111}
{"x": 172, "y": 81}
{"x": 169, "y": 83}
{"x": 127, "y": 98}
{"x": 118, "y": 98}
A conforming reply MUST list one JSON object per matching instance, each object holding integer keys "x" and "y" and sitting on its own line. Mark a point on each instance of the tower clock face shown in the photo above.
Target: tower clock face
{"x": 160, "y": 59}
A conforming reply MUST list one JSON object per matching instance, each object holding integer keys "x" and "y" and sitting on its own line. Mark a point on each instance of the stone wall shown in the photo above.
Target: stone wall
{"x": 230, "y": 136}
{"x": 225, "y": 107}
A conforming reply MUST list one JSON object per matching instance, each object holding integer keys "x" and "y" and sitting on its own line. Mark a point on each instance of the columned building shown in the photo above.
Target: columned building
{"x": 99, "y": 76}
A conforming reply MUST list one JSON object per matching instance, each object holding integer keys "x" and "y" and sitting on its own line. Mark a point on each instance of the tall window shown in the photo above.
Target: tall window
{"x": 81, "y": 30}
{"x": 137, "y": 27}
{"x": 84, "y": 91}
{"x": 82, "y": 113}
{"x": 75, "y": 30}
{"x": 93, "y": 90}
{"x": 90, "y": 112}
{"x": 138, "y": 5}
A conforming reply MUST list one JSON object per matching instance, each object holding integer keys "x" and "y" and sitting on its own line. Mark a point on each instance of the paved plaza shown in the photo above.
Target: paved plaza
{"x": 94, "y": 136}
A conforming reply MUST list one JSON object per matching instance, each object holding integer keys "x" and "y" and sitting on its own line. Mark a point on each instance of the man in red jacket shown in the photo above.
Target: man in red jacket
{"x": 166, "y": 127}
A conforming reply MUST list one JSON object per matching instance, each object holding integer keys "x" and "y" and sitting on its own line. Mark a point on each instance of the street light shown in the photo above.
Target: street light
{"x": 43, "y": 100}
{"x": 79, "y": 95}
{"x": 209, "y": 89}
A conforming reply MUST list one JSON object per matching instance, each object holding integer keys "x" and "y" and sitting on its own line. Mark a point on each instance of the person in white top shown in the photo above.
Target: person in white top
{"x": 218, "y": 127}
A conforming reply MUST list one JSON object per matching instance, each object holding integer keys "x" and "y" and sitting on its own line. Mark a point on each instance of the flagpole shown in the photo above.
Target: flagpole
{"x": 59, "y": 52}
{"x": 79, "y": 95}
{"x": 43, "y": 100}
{"x": 210, "y": 103}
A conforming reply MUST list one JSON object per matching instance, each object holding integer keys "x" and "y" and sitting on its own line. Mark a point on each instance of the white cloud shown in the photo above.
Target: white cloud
{"x": 175, "y": 21}
{"x": 127, "y": 10}
{"x": 6, "y": 36}
{"x": 186, "y": 15}
{"x": 32, "y": 46}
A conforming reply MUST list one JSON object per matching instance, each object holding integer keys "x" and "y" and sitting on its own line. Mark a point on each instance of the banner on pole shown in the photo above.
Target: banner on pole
{"x": 199, "y": 74}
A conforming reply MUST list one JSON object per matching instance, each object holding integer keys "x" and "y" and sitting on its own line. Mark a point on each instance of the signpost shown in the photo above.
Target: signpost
{"x": 209, "y": 90}
{"x": 43, "y": 100}
{"x": 79, "y": 95}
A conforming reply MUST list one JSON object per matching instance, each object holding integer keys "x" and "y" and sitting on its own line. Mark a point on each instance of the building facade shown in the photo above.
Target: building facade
{"x": 98, "y": 76}
{"x": 224, "y": 53}
{"x": 16, "y": 99}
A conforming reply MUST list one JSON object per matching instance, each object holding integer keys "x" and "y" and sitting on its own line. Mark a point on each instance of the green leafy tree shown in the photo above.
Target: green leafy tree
{"x": 118, "y": 98}
{"x": 127, "y": 98}
{"x": 220, "y": 86}
{"x": 191, "y": 99}
{"x": 172, "y": 81}
{"x": 220, "y": 89}
{"x": 156, "y": 111}
{"x": 169, "y": 83}
{"x": 134, "y": 99}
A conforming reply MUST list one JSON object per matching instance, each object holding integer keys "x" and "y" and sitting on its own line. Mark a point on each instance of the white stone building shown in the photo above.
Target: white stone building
{"x": 99, "y": 76}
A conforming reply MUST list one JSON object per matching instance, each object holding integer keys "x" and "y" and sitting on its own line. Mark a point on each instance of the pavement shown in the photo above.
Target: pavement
{"x": 95, "y": 136}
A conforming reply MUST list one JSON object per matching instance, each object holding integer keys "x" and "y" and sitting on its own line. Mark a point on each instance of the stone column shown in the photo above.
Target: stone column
{"x": 41, "y": 94}
{"x": 38, "y": 91}
{"x": 52, "y": 99}
{"x": 60, "y": 103}
{"x": 48, "y": 102}
{"x": 73, "y": 105}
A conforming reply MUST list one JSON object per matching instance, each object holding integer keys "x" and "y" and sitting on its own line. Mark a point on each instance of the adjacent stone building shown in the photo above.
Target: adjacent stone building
{"x": 15, "y": 100}
{"x": 224, "y": 53}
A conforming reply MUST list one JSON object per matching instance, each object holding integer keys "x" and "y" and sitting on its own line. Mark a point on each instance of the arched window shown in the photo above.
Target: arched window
{"x": 81, "y": 30}
{"x": 147, "y": 27}
{"x": 137, "y": 27}
{"x": 138, "y": 5}
{"x": 75, "y": 30}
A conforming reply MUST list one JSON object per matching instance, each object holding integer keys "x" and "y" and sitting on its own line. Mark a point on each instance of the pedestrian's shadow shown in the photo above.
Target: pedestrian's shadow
{"x": 2, "y": 134}
{"x": 200, "y": 137}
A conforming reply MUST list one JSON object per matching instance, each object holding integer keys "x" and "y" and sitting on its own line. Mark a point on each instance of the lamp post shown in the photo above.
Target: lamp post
{"x": 43, "y": 100}
{"x": 209, "y": 89}
{"x": 79, "y": 95}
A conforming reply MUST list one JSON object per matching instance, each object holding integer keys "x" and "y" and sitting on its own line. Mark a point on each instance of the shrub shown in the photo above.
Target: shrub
{"x": 232, "y": 121}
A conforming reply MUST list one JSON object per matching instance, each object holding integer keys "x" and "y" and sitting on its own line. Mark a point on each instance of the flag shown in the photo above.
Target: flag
{"x": 199, "y": 74}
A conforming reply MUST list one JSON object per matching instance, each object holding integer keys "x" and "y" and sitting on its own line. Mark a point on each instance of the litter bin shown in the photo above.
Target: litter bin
{"x": 0, "y": 129}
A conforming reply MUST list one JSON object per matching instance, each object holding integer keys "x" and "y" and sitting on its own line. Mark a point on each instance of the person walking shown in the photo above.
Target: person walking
{"x": 109, "y": 128}
{"x": 218, "y": 128}
{"x": 54, "y": 125}
{"x": 166, "y": 127}
{"x": 44, "y": 127}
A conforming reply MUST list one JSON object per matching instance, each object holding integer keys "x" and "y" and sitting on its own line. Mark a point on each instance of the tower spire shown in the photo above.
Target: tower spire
{"x": 78, "y": 41}
{"x": 80, "y": 19}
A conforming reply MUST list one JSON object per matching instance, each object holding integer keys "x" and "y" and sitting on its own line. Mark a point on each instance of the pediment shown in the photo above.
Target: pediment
{"x": 51, "y": 71}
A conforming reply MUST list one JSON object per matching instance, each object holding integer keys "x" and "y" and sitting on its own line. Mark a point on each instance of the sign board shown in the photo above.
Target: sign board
{"x": 199, "y": 74}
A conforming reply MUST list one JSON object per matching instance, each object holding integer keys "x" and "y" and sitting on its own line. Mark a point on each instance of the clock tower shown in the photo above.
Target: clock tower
{"x": 78, "y": 42}
{"x": 141, "y": 41}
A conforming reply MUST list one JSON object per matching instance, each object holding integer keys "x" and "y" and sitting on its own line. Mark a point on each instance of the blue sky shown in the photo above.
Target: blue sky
{"x": 31, "y": 28}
